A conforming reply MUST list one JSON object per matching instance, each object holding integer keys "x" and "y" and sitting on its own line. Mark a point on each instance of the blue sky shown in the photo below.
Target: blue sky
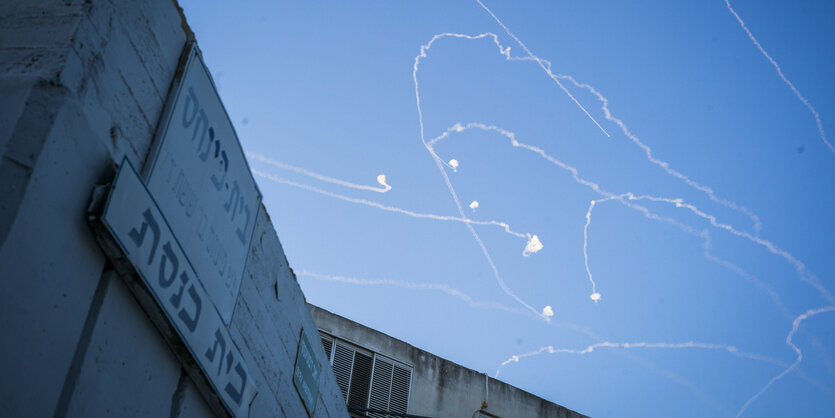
{"x": 712, "y": 284}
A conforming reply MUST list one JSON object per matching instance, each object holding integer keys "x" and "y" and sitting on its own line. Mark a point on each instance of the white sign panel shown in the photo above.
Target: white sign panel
{"x": 202, "y": 183}
{"x": 147, "y": 240}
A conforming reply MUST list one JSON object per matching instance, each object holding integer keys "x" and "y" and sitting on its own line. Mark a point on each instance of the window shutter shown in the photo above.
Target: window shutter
{"x": 360, "y": 380}
{"x": 380, "y": 387}
{"x": 400, "y": 384}
{"x": 343, "y": 362}
{"x": 369, "y": 380}
{"x": 390, "y": 387}
{"x": 328, "y": 345}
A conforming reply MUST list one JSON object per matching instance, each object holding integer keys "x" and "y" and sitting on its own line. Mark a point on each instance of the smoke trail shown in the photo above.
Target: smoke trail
{"x": 667, "y": 374}
{"x": 626, "y": 199}
{"x": 594, "y": 295}
{"x": 491, "y": 305}
{"x": 654, "y": 369}
{"x": 541, "y": 62}
{"x": 783, "y": 77}
{"x": 457, "y": 128}
{"x": 546, "y": 66}
{"x": 778, "y": 302}
{"x": 607, "y": 344}
{"x": 422, "y": 54}
{"x": 803, "y": 273}
{"x": 795, "y": 325}
{"x": 394, "y": 209}
{"x": 380, "y": 179}
{"x": 411, "y": 286}
{"x": 799, "y": 266}
{"x": 706, "y": 238}
{"x": 440, "y": 164}
{"x": 736, "y": 269}
{"x": 663, "y": 164}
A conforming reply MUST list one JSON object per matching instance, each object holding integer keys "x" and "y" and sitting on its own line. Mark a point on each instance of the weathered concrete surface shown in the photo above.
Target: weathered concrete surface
{"x": 441, "y": 388}
{"x": 83, "y": 84}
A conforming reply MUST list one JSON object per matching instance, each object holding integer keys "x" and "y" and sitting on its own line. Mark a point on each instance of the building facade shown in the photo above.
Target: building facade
{"x": 83, "y": 88}
{"x": 376, "y": 372}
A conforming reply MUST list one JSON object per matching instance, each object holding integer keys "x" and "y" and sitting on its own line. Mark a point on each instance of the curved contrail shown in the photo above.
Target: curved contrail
{"x": 626, "y": 198}
{"x": 544, "y": 64}
{"x": 661, "y": 163}
{"x": 783, "y": 77}
{"x": 641, "y": 344}
{"x": 795, "y": 325}
{"x": 440, "y": 164}
{"x": 393, "y": 209}
{"x": 380, "y": 179}
{"x": 411, "y": 286}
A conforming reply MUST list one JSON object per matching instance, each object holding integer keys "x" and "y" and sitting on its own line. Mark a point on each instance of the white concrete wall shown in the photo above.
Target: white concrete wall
{"x": 82, "y": 84}
{"x": 441, "y": 388}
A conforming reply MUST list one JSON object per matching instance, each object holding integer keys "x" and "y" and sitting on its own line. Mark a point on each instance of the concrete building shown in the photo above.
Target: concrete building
{"x": 83, "y": 89}
{"x": 377, "y": 372}
{"x": 93, "y": 324}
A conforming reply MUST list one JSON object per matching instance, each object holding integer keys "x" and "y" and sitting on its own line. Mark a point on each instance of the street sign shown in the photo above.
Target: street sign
{"x": 200, "y": 178}
{"x": 306, "y": 374}
{"x": 145, "y": 238}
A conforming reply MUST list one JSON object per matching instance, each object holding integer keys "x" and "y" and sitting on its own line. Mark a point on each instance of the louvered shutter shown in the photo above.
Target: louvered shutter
{"x": 360, "y": 380}
{"x": 390, "y": 387}
{"x": 400, "y": 384}
{"x": 369, "y": 380}
{"x": 343, "y": 363}
{"x": 380, "y": 387}
{"x": 328, "y": 346}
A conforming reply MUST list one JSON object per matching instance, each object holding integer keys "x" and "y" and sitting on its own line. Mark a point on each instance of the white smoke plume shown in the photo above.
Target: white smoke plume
{"x": 380, "y": 179}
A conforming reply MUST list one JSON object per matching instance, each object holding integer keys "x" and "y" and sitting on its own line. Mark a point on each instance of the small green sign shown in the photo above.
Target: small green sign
{"x": 306, "y": 374}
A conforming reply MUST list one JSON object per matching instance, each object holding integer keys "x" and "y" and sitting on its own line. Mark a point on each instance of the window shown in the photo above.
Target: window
{"x": 367, "y": 379}
{"x": 390, "y": 387}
